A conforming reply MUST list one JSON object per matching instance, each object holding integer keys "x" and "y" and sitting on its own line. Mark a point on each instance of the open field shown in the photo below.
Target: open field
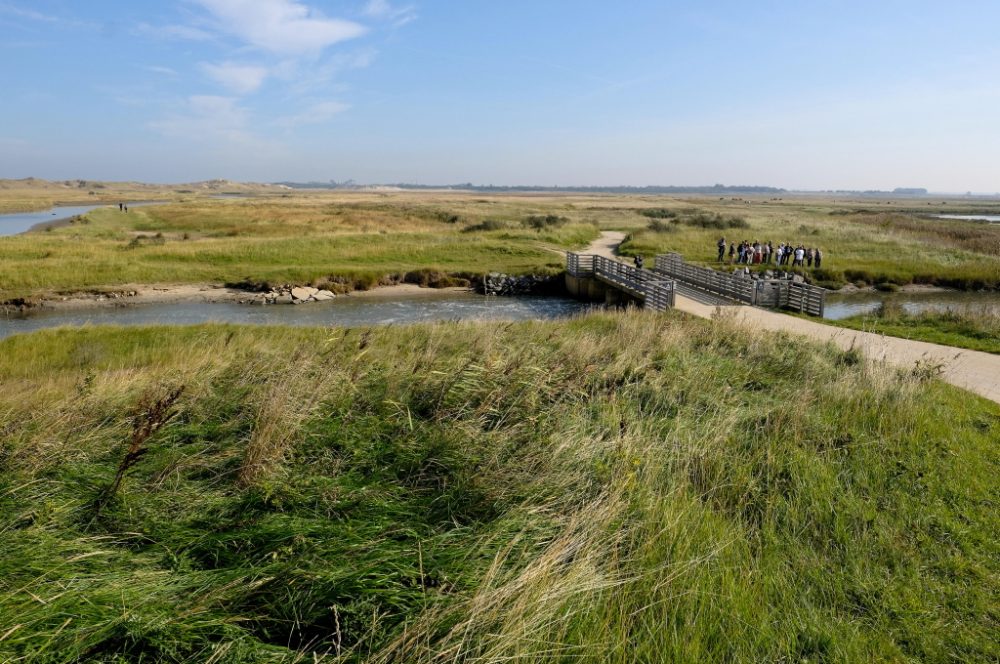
{"x": 360, "y": 238}
{"x": 31, "y": 194}
{"x": 862, "y": 242}
{"x": 309, "y": 239}
{"x": 615, "y": 488}
{"x": 976, "y": 330}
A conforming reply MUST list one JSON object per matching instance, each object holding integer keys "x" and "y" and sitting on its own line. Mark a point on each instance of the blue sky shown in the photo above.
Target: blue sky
{"x": 813, "y": 95}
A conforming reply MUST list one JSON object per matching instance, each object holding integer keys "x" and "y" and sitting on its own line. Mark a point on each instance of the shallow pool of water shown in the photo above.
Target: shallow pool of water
{"x": 844, "y": 306}
{"x": 992, "y": 218}
{"x": 342, "y": 312}
{"x": 20, "y": 222}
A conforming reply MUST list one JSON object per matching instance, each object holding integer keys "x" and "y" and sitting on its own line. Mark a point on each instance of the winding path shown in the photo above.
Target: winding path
{"x": 972, "y": 370}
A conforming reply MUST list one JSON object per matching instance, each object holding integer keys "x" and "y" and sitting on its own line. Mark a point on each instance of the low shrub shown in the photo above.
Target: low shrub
{"x": 432, "y": 278}
{"x": 540, "y": 222}
{"x": 250, "y": 284}
{"x": 659, "y": 226}
{"x": 488, "y": 225}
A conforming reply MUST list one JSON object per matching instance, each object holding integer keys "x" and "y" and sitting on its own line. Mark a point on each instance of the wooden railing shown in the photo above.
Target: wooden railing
{"x": 776, "y": 293}
{"x": 656, "y": 292}
{"x": 806, "y": 299}
{"x": 740, "y": 289}
{"x": 580, "y": 265}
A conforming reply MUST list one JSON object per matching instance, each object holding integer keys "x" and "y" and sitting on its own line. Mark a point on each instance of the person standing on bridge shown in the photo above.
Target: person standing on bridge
{"x": 722, "y": 249}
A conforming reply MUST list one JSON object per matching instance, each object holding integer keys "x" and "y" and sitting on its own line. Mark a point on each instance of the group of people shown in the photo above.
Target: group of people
{"x": 757, "y": 253}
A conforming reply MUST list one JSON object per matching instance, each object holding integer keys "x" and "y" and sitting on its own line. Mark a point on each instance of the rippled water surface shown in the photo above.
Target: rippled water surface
{"x": 342, "y": 312}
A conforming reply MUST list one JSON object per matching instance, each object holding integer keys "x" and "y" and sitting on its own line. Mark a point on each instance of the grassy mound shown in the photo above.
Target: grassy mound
{"x": 612, "y": 488}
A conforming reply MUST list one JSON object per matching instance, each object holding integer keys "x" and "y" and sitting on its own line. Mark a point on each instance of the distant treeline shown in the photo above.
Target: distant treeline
{"x": 468, "y": 186}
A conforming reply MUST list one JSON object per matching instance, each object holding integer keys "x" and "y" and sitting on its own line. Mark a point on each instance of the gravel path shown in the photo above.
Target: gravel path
{"x": 971, "y": 370}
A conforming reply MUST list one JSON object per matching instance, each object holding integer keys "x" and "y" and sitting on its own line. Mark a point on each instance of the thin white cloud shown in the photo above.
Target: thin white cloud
{"x": 157, "y": 69}
{"x": 7, "y": 8}
{"x": 315, "y": 114}
{"x": 187, "y": 32}
{"x": 241, "y": 79}
{"x": 207, "y": 118}
{"x": 285, "y": 27}
{"x": 383, "y": 10}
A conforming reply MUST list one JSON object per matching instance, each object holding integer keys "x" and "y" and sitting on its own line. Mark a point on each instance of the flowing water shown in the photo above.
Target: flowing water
{"x": 342, "y": 312}
{"x": 844, "y": 306}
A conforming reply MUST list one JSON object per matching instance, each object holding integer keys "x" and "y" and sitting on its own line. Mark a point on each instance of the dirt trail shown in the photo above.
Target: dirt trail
{"x": 971, "y": 370}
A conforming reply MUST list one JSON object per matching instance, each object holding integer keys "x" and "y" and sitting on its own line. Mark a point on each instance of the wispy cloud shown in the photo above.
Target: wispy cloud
{"x": 285, "y": 27}
{"x": 239, "y": 78}
{"x": 30, "y": 14}
{"x": 207, "y": 118}
{"x": 187, "y": 32}
{"x": 383, "y": 10}
{"x": 315, "y": 114}
{"x": 157, "y": 69}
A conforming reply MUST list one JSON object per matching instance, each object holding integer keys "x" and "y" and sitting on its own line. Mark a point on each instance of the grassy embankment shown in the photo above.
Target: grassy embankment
{"x": 299, "y": 240}
{"x": 860, "y": 245}
{"x": 614, "y": 488}
{"x": 976, "y": 330}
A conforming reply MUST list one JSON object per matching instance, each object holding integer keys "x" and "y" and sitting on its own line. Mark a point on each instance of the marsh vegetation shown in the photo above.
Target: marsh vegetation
{"x": 364, "y": 238}
{"x": 976, "y": 329}
{"x": 617, "y": 487}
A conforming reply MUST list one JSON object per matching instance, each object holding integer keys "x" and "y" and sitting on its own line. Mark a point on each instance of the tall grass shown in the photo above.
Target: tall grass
{"x": 617, "y": 487}
{"x": 975, "y": 329}
{"x": 105, "y": 253}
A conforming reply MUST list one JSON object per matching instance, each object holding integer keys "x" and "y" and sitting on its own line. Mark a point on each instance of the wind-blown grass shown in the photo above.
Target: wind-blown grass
{"x": 962, "y": 328}
{"x": 102, "y": 252}
{"x": 618, "y": 487}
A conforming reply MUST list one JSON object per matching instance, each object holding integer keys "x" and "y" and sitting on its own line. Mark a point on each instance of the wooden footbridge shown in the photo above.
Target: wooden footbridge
{"x": 654, "y": 290}
{"x": 597, "y": 277}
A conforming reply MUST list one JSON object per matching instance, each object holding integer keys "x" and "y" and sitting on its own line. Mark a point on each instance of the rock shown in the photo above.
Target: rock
{"x": 303, "y": 292}
{"x": 284, "y": 298}
{"x": 505, "y": 285}
{"x": 798, "y": 279}
{"x": 323, "y": 295}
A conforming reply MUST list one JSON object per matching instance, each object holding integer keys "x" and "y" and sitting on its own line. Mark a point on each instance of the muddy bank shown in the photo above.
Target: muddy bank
{"x": 133, "y": 295}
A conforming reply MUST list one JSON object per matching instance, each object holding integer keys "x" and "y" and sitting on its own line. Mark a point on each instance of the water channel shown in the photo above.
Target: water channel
{"x": 21, "y": 222}
{"x": 342, "y": 312}
{"x": 844, "y": 306}
{"x": 992, "y": 218}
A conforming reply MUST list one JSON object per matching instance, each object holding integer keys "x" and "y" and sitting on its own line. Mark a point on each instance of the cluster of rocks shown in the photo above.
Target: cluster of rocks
{"x": 114, "y": 295}
{"x": 495, "y": 283}
{"x": 292, "y": 295}
{"x": 770, "y": 274}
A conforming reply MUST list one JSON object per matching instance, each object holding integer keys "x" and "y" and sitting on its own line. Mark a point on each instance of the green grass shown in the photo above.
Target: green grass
{"x": 365, "y": 236}
{"x": 175, "y": 245}
{"x": 613, "y": 488}
{"x": 859, "y": 247}
{"x": 975, "y": 330}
